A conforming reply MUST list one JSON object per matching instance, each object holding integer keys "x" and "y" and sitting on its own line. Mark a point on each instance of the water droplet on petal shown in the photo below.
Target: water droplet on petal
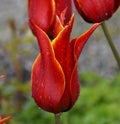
{"x": 47, "y": 53}
{"x": 49, "y": 98}
{"x": 42, "y": 85}
{"x": 40, "y": 97}
{"x": 106, "y": 14}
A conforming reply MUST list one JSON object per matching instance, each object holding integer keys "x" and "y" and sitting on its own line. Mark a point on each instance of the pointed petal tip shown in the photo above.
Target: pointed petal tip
{"x": 71, "y": 19}
{"x": 82, "y": 39}
{"x": 97, "y": 24}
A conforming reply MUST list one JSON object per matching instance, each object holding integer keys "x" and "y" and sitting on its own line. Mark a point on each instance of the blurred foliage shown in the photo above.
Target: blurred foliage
{"x": 98, "y": 103}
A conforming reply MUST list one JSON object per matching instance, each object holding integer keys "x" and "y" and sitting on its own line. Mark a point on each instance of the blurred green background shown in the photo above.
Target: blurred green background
{"x": 99, "y": 99}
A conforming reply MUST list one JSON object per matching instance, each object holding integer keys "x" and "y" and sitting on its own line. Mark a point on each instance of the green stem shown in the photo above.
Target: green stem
{"x": 111, "y": 44}
{"x": 57, "y": 118}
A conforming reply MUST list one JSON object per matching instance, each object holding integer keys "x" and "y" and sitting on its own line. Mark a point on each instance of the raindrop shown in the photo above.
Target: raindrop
{"x": 42, "y": 85}
{"x": 40, "y": 97}
{"x": 49, "y": 98}
{"x": 106, "y": 14}
{"x": 78, "y": 48}
{"x": 47, "y": 53}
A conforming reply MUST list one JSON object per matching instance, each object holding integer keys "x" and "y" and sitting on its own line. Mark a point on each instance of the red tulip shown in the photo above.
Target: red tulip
{"x": 2, "y": 121}
{"x": 96, "y": 10}
{"x": 43, "y": 13}
{"x": 55, "y": 81}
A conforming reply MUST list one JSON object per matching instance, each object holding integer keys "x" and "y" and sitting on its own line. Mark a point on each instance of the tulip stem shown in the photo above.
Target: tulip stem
{"x": 57, "y": 118}
{"x": 111, "y": 44}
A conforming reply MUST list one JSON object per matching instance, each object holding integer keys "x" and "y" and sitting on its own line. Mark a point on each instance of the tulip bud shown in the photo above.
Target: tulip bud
{"x": 43, "y": 13}
{"x": 96, "y": 10}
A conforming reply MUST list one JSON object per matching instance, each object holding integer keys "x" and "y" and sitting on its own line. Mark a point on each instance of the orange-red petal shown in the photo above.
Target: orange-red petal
{"x": 57, "y": 27}
{"x": 74, "y": 85}
{"x": 80, "y": 41}
{"x": 78, "y": 45}
{"x": 64, "y": 53}
{"x": 48, "y": 81}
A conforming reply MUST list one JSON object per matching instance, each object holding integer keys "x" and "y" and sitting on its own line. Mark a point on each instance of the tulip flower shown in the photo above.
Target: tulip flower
{"x": 96, "y": 10}
{"x": 43, "y": 13}
{"x": 55, "y": 80}
{"x": 2, "y": 121}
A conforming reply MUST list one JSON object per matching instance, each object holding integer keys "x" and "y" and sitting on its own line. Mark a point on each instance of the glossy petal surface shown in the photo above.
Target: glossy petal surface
{"x": 55, "y": 81}
{"x": 41, "y": 12}
{"x": 48, "y": 81}
{"x": 96, "y": 10}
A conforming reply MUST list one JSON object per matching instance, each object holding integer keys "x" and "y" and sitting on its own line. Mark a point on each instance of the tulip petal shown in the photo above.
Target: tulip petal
{"x": 78, "y": 7}
{"x": 78, "y": 44}
{"x": 117, "y": 4}
{"x": 48, "y": 81}
{"x": 57, "y": 27}
{"x": 104, "y": 13}
{"x": 65, "y": 55}
{"x": 63, "y": 50}
{"x": 80, "y": 41}
{"x": 69, "y": 63}
{"x": 74, "y": 85}
{"x": 60, "y": 43}
{"x": 42, "y": 13}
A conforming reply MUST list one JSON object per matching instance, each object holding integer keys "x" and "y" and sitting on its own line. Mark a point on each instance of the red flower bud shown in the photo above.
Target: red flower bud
{"x": 55, "y": 82}
{"x": 43, "y": 13}
{"x": 96, "y": 10}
